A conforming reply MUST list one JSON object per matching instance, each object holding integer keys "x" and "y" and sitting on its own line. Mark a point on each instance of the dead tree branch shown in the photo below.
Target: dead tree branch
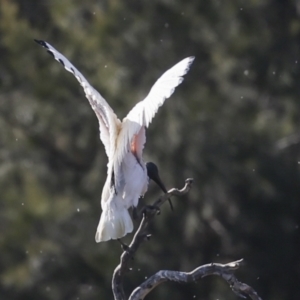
{"x": 226, "y": 271}
{"x": 140, "y": 236}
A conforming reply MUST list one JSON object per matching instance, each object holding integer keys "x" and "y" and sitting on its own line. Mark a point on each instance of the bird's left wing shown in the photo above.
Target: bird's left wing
{"x": 143, "y": 112}
{"x": 108, "y": 121}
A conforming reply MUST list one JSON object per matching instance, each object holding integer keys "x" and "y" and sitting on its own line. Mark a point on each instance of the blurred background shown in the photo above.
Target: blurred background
{"x": 233, "y": 125}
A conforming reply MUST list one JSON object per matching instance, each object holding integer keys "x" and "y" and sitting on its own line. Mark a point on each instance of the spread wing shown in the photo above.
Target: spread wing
{"x": 143, "y": 112}
{"x": 108, "y": 121}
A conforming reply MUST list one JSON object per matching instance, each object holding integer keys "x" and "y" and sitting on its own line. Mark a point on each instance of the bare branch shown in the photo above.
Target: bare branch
{"x": 140, "y": 236}
{"x": 226, "y": 271}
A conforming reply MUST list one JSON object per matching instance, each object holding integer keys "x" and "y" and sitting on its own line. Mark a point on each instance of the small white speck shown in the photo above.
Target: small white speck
{"x": 161, "y": 41}
{"x": 105, "y": 66}
{"x": 296, "y": 61}
{"x": 246, "y": 72}
{"x": 167, "y": 25}
{"x": 257, "y": 278}
{"x": 274, "y": 73}
{"x": 298, "y": 162}
{"x": 242, "y": 97}
{"x": 146, "y": 277}
{"x": 26, "y": 251}
{"x": 124, "y": 19}
{"x": 22, "y": 204}
{"x": 16, "y": 140}
{"x": 253, "y": 170}
{"x": 139, "y": 270}
{"x": 41, "y": 251}
{"x": 78, "y": 209}
{"x": 182, "y": 13}
{"x": 218, "y": 255}
{"x": 241, "y": 8}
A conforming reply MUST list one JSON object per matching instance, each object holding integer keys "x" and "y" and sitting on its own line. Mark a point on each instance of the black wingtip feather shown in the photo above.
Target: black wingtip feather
{"x": 61, "y": 61}
{"x": 42, "y": 43}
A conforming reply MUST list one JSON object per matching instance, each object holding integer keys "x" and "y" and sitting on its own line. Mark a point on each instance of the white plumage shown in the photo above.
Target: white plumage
{"x": 124, "y": 141}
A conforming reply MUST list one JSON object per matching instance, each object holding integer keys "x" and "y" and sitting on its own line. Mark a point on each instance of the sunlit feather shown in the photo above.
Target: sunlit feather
{"x": 124, "y": 141}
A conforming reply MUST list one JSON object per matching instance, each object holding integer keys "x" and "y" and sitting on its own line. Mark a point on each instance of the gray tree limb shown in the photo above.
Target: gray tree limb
{"x": 140, "y": 236}
{"x": 226, "y": 271}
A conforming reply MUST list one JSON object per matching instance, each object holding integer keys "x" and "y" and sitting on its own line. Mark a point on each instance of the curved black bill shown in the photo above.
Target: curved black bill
{"x": 153, "y": 174}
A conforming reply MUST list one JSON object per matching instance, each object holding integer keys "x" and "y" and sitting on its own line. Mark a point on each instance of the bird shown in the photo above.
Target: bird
{"x": 127, "y": 174}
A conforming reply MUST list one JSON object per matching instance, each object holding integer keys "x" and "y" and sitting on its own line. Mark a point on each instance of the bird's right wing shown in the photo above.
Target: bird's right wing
{"x": 141, "y": 115}
{"x": 108, "y": 122}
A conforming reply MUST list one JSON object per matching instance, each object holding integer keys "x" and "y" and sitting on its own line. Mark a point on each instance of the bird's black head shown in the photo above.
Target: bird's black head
{"x": 152, "y": 172}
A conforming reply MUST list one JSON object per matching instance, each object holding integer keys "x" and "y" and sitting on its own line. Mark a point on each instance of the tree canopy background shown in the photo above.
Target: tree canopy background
{"x": 233, "y": 125}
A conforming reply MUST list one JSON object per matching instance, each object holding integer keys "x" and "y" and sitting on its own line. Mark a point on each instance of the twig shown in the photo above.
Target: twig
{"x": 139, "y": 237}
{"x": 226, "y": 271}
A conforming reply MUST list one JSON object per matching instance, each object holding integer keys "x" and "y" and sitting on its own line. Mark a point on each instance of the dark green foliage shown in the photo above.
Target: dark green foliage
{"x": 233, "y": 125}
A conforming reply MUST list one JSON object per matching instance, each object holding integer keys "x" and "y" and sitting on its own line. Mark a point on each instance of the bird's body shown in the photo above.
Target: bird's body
{"x": 115, "y": 220}
{"x": 127, "y": 177}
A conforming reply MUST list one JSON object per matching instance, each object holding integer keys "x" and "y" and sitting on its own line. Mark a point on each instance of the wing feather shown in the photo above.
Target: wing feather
{"x": 143, "y": 112}
{"x": 108, "y": 122}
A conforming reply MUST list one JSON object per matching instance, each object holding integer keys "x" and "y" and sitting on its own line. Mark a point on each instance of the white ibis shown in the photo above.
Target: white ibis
{"x": 127, "y": 175}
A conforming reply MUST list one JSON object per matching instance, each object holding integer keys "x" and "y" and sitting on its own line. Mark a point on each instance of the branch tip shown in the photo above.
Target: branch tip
{"x": 235, "y": 264}
{"x": 189, "y": 180}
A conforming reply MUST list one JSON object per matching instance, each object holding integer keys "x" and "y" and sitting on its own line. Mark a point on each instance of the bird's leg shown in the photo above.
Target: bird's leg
{"x": 153, "y": 174}
{"x": 135, "y": 213}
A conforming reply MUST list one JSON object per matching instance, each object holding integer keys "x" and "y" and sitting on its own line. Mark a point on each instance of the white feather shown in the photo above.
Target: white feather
{"x": 108, "y": 122}
{"x": 143, "y": 112}
{"x": 115, "y": 221}
{"x": 127, "y": 178}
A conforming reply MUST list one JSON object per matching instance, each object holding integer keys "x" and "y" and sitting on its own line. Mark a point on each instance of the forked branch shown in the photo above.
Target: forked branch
{"x": 140, "y": 236}
{"x": 226, "y": 271}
